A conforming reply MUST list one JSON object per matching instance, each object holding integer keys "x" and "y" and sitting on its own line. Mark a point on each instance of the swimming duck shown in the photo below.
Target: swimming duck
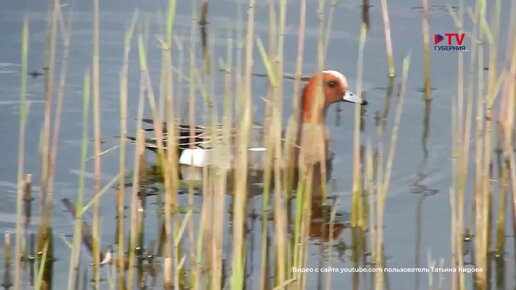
{"x": 311, "y": 122}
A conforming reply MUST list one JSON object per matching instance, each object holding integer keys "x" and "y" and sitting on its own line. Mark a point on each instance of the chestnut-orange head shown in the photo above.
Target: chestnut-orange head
{"x": 334, "y": 87}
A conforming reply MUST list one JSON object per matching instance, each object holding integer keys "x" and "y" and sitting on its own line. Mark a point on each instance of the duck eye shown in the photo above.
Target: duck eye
{"x": 332, "y": 84}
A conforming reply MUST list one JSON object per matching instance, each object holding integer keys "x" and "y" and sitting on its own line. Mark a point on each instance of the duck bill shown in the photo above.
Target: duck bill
{"x": 351, "y": 97}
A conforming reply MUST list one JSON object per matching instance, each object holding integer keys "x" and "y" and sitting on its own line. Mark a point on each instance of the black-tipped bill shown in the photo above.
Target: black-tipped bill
{"x": 350, "y": 97}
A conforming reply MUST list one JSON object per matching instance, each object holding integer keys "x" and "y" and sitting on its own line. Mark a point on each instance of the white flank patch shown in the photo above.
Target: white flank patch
{"x": 258, "y": 149}
{"x": 107, "y": 258}
{"x": 338, "y": 75}
{"x": 193, "y": 157}
{"x": 199, "y": 157}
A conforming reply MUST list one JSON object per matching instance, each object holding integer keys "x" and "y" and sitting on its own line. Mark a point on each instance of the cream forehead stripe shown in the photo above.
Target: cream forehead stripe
{"x": 338, "y": 75}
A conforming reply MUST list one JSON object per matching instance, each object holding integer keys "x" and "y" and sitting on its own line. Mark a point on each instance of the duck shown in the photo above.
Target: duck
{"x": 203, "y": 152}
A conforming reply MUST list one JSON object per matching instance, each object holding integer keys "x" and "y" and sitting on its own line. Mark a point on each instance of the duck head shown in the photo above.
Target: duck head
{"x": 334, "y": 88}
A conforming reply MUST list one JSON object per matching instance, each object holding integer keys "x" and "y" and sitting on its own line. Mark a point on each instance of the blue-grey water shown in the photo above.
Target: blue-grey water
{"x": 414, "y": 228}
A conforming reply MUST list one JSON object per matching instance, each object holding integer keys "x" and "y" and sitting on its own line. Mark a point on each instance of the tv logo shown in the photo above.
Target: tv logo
{"x": 454, "y": 42}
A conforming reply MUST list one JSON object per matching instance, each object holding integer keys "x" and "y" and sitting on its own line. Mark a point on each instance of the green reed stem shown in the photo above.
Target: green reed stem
{"x": 388, "y": 41}
{"x": 24, "y": 111}
{"x": 120, "y": 195}
{"x": 77, "y": 235}
{"x": 358, "y": 215}
{"x": 97, "y": 143}
{"x": 427, "y": 87}
{"x": 240, "y": 188}
{"x": 383, "y": 186}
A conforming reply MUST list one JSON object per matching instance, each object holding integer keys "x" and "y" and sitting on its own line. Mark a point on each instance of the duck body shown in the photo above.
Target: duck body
{"x": 201, "y": 146}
